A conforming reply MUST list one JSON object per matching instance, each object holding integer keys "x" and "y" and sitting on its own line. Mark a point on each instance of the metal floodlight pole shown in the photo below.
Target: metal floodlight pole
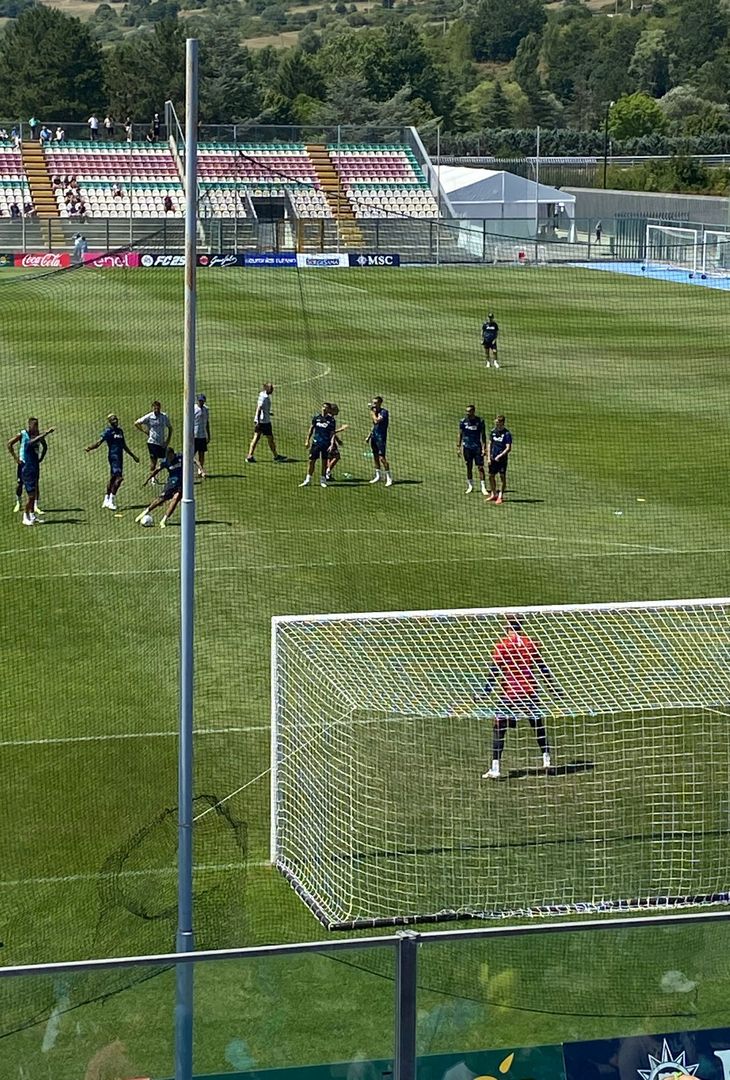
{"x": 609, "y": 106}
{"x": 185, "y": 940}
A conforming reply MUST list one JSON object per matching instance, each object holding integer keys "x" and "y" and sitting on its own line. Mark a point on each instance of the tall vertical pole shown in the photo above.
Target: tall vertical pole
{"x": 438, "y": 194}
{"x": 406, "y": 1001}
{"x": 185, "y": 940}
{"x": 537, "y": 181}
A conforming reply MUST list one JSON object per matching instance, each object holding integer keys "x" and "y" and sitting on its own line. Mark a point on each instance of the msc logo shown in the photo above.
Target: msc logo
{"x": 162, "y": 260}
{"x": 366, "y": 260}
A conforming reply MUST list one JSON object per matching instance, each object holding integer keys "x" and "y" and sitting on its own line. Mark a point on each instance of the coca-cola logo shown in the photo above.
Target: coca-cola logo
{"x": 45, "y": 259}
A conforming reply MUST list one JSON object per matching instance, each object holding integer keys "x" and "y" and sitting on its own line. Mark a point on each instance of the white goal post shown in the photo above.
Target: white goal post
{"x": 672, "y": 247}
{"x": 716, "y": 252}
{"x": 383, "y": 725}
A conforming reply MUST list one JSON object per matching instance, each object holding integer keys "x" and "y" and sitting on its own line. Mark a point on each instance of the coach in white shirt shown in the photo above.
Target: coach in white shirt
{"x": 158, "y": 429}
{"x": 201, "y": 433}
{"x": 262, "y": 424}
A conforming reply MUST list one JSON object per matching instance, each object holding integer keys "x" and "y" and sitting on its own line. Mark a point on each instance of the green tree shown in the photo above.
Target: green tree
{"x": 229, "y": 86}
{"x": 525, "y": 67}
{"x": 567, "y": 55}
{"x": 498, "y": 26}
{"x": 298, "y": 74}
{"x": 649, "y": 65}
{"x": 50, "y": 66}
{"x": 610, "y": 77}
{"x": 635, "y": 115}
{"x": 144, "y": 71}
{"x": 701, "y": 28}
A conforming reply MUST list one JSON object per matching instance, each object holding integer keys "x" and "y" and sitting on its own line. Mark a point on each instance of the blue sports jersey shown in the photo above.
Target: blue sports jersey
{"x": 174, "y": 471}
{"x": 499, "y": 440}
{"x": 323, "y": 429}
{"x": 380, "y": 427}
{"x": 114, "y": 439}
{"x": 472, "y": 432}
{"x": 28, "y": 453}
{"x": 490, "y": 330}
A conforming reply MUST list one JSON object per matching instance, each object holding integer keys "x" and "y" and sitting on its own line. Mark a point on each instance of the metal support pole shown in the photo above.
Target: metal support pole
{"x": 406, "y": 961}
{"x": 609, "y": 106}
{"x": 185, "y": 939}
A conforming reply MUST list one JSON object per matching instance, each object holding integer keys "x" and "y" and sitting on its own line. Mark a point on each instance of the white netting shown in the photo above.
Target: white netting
{"x": 383, "y": 728}
{"x": 716, "y": 252}
{"x": 670, "y": 247}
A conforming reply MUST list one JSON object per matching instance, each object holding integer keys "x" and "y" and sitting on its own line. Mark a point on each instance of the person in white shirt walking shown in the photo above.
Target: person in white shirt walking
{"x": 262, "y": 425}
{"x": 201, "y": 433}
{"x": 158, "y": 429}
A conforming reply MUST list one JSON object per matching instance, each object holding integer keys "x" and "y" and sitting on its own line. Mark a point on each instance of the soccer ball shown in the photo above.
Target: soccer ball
{"x": 148, "y": 521}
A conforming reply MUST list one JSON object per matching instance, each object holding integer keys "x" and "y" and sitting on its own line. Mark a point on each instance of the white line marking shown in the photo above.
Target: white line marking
{"x": 161, "y": 871}
{"x": 61, "y": 739}
{"x": 89, "y": 543}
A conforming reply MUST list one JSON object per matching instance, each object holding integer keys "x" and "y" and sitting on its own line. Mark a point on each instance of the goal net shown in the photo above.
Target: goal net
{"x": 383, "y": 726}
{"x": 716, "y": 252}
{"x": 671, "y": 248}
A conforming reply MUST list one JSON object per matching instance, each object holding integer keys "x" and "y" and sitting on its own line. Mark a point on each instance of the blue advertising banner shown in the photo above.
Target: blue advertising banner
{"x": 270, "y": 258}
{"x": 221, "y": 259}
{"x": 363, "y": 260}
{"x": 704, "y": 1055}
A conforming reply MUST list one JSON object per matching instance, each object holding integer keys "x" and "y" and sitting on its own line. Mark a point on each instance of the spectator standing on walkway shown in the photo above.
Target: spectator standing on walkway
{"x": 93, "y": 127}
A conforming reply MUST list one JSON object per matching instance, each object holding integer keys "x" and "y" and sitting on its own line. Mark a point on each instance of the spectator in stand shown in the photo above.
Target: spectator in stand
{"x": 46, "y": 135}
{"x": 109, "y": 126}
{"x": 60, "y": 134}
{"x": 14, "y": 210}
{"x": 56, "y": 181}
{"x": 82, "y": 209}
{"x": 3, "y": 133}
{"x": 93, "y": 127}
{"x": 156, "y": 126}
{"x": 117, "y": 193}
{"x": 33, "y": 125}
{"x": 15, "y": 138}
{"x": 28, "y": 209}
{"x": 149, "y": 137}
{"x": 80, "y": 249}
{"x": 129, "y": 129}
{"x": 168, "y": 204}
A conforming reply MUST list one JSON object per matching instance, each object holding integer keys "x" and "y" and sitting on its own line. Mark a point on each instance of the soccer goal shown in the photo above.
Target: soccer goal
{"x": 382, "y": 728}
{"x": 671, "y": 248}
{"x": 716, "y": 252}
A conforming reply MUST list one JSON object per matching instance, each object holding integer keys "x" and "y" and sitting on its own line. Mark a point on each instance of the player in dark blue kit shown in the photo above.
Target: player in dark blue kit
{"x": 173, "y": 488}
{"x": 319, "y": 440}
{"x": 117, "y": 447}
{"x": 472, "y": 446}
{"x": 490, "y": 333}
{"x": 378, "y": 439}
{"x": 500, "y": 447}
{"x": 32, "y": 450}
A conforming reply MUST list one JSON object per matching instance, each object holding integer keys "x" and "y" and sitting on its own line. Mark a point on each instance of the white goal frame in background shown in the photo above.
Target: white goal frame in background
{"x": 716, "y": 252}
{"x": 381, "y": 727}
{"x": 672, "y": 247}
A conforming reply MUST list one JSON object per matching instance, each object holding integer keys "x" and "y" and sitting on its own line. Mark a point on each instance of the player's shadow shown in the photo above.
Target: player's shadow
{"x": 221, "y": 476}
{"x": 211, "y": 521}
{"x": 569, "y": 769}
{"x": 404, "y": 482}
{"x": 512, "y": 499}
{"x": 62, "y": 521}
{"x": 64, "y": 510}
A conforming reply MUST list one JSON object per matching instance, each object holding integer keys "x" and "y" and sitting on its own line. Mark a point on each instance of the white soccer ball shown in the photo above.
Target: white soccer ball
{"x": 148, "y": 521}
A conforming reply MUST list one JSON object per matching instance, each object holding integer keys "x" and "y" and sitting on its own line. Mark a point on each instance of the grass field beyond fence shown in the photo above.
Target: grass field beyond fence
{"x": 616, "y": 391}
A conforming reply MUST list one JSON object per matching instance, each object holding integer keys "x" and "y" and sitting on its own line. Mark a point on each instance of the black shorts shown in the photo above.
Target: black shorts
{"x": 474, "y": 457}
{"x": 378, "y": 447}
{"x": 264, "y": 429}
{"x": 316, "y": 452}
{"x": 157, "y": 452}
{"x": 498, "y": 468}
{"x": 116, "y": 468}
{"x": 490, "y": 343}
{"x": 30, "y": 480}
{"x": 201, "y": 445}
{"x": 170, "y": 490}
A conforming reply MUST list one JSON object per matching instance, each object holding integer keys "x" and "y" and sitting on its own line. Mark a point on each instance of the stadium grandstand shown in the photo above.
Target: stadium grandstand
{"x": 92, "y": 180}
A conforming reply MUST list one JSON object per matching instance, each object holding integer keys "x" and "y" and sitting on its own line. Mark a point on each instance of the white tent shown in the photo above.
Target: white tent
{"x": 524, "y": 207}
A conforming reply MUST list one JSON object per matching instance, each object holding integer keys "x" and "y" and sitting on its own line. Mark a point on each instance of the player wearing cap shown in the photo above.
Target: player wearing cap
{"x": 471, "y": 446}
{"x": 490, "y": 333}
{"x": 117, "y": 447}
{"x": 201, "y": 433}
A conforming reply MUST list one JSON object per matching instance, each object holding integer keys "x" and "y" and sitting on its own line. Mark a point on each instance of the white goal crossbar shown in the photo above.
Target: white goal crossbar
{"x": 613, "y": 790}
{"x": 673, "y": 247}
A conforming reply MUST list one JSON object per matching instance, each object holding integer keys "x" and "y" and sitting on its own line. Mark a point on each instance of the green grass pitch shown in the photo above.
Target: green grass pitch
{"x": 616, "y": 392}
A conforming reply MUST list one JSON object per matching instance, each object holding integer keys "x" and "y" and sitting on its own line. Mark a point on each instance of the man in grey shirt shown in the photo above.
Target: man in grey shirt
{"x": 158, "y": 429}
{"x": 262, "y": 424}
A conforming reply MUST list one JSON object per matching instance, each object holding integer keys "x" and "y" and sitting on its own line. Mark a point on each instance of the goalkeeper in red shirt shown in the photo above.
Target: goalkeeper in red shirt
{"x": 516, "y": 662}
